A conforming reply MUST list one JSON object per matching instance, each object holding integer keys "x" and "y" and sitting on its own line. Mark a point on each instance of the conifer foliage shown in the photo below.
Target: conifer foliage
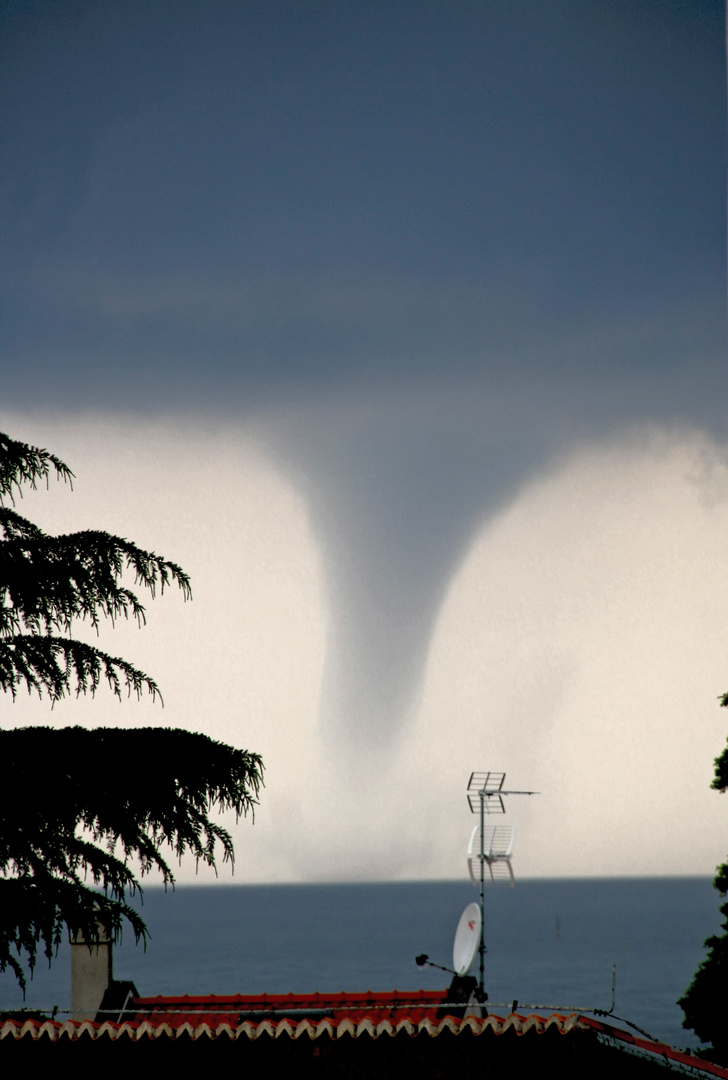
{"x": 77, "y": 805}
{"x": 47, "y": 582}
{"x": 705, "y": 1002}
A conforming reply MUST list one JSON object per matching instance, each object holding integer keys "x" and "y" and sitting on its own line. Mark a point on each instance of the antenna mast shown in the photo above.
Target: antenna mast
{"x": 491, "y": 847}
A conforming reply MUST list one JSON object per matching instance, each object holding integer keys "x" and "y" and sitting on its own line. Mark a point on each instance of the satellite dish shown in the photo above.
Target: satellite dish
{"x": 467, "y": 939}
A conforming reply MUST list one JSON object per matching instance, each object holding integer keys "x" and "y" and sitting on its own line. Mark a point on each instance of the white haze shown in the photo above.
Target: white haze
{"x": 580, "y": 648}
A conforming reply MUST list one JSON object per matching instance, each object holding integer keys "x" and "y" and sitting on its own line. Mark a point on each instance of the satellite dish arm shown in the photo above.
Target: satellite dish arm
{"x": 424, "y": 961}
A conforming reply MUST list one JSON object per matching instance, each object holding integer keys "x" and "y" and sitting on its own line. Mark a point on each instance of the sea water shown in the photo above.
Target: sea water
{"x": 550, "y": 944}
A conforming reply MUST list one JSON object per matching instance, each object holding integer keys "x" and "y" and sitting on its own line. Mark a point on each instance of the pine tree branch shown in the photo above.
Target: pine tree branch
{"x": 16, "y": 527}
{"x": 36, "y": 912}
{"x": 23, "y": 464}
{"x": 58, "y": 666}
{"x": 48, "y": 581}
{"x": 720, "y": 780}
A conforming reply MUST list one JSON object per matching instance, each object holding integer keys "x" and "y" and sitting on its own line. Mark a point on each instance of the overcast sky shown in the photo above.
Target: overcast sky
{"x": 401, "y": 326}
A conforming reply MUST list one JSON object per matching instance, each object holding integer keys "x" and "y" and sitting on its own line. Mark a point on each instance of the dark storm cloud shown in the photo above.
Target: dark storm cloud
{"x": 425, "y": 245}
{"x": 279, "y": 194}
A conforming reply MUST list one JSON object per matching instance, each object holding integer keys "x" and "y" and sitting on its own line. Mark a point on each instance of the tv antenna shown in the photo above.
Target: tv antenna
{"x": 490, "y": 846}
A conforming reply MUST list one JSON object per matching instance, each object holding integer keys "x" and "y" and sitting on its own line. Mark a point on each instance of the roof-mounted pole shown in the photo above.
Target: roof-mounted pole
{"x": 485, "y": 796}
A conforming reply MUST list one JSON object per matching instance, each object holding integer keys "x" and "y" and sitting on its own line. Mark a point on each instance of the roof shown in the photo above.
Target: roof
{"x": 274, "y": 1009}
{"x": 333, "y": 1017}
{"x": 287, "y": 1015}
{"x": 645, "y": 1046}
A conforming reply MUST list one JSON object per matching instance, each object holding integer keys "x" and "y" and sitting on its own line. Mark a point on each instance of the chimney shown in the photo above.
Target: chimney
{"x": 91, "y": 973}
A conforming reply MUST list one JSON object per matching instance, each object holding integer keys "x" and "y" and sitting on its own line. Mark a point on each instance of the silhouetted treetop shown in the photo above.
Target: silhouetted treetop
{"x": 80, "y": 808}
{"x": 77, "y": 805}
{"x": 705, "y": 1002}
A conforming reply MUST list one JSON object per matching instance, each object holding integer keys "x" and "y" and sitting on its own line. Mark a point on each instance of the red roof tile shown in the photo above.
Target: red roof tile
{"x": 333, "y": 1016}
{"x": 274, "y": 1008}
{"x": 370, "y": 1022}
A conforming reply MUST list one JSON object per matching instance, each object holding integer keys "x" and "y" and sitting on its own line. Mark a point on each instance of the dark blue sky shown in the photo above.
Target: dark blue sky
{"x": 422, "y": 246}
